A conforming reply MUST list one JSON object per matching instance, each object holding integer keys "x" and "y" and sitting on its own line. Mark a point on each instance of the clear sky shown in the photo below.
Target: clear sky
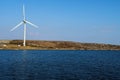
{"x": 96, "y": 21}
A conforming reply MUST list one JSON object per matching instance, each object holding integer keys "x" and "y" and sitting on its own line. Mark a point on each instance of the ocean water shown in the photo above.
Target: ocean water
{"x": 59, "y": 65}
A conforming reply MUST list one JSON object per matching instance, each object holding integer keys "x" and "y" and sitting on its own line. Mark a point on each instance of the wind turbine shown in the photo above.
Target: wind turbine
{"x": 24, "y": 22}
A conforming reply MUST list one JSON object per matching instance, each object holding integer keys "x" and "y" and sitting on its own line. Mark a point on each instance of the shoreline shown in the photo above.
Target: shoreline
{"x": 54, "y": 45}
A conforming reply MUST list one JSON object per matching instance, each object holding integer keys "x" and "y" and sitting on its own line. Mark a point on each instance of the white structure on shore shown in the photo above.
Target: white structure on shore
{"x": 24, "y": 22}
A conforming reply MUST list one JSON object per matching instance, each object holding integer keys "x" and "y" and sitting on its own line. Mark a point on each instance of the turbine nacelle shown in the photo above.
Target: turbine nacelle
{"x": 24, "y": 21}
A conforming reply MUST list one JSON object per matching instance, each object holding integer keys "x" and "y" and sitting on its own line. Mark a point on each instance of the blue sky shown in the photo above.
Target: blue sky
{"x": 96, "y": 21}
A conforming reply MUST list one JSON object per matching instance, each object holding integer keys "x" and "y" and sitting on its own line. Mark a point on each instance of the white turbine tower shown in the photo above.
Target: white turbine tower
{"x": 24, "y": 22}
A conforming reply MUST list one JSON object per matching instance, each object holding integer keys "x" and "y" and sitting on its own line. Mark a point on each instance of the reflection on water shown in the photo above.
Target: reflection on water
{"x": 59, "y": 65}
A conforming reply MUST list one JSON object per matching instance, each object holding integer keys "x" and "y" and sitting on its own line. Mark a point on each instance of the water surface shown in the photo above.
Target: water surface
{"x": 59, "y": 65}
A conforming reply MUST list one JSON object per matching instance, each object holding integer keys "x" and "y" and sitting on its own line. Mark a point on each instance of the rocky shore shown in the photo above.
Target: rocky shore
{"x": 54, "y": 45}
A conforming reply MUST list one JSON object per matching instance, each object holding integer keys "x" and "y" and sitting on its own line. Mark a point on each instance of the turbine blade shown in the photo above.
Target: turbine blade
{"x": 24, "y": 12}
{"x": 16, "y": 26}
{"x": 32, "y": 24}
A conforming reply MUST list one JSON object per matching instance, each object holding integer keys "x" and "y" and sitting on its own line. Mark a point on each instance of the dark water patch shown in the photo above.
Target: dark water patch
{"x": 59, "y": 65}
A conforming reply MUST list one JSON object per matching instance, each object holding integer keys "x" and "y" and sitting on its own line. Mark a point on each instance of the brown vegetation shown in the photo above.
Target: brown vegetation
{"x": 60, "y": 45}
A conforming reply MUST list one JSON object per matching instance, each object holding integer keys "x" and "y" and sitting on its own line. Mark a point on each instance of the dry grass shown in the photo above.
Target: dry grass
{"x": 60, "y": 45}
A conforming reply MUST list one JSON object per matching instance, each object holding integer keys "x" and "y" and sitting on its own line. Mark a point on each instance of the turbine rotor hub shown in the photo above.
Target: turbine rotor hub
{"x": 24, "y": 21}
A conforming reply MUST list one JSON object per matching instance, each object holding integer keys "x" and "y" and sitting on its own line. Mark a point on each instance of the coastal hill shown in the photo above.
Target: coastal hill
{"x": 55, "y": 45}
